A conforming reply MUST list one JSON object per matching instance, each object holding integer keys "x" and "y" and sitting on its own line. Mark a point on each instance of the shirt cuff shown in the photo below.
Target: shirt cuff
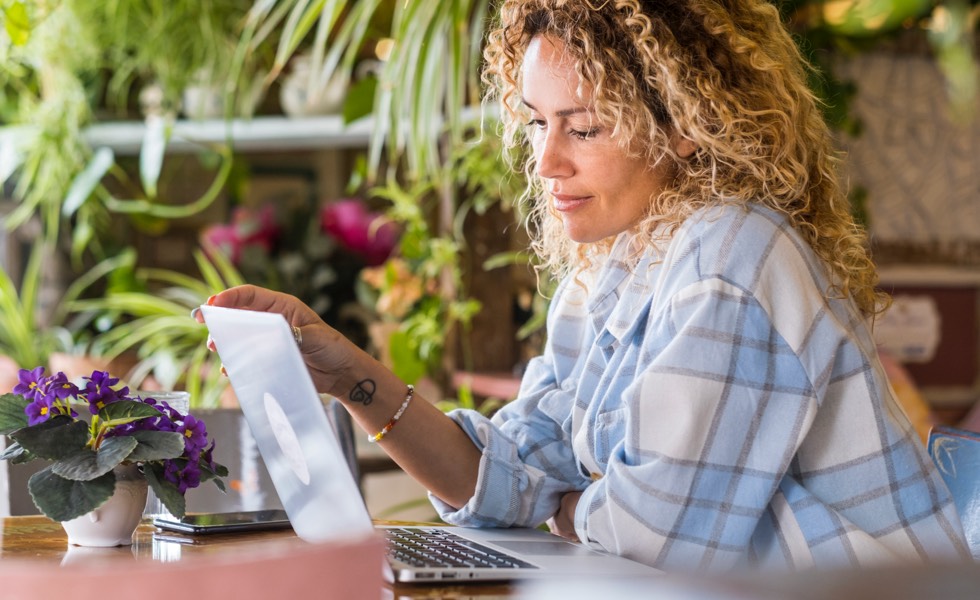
{"x": 499, "y": 481}
{"x": 582, "y": 511}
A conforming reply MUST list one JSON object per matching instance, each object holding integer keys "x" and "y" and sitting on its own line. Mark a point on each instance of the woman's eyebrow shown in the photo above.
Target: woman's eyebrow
{"x": 561, "y": 113}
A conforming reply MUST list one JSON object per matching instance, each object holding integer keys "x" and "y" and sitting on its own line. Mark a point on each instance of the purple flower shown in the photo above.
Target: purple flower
{"x": 207, "y": 457}
{"x": 167, "y": 421}
{"x": 184, "y": 478}
{"x": 52, "y": 396}
{"x": 30, "y": 383}
{"x": 38, "y": 411}
{"x": 195, "y": 434}
{"x": 171, "y": 413}
{"x": 99, "y": 392}
{"x": 60, "y": 388}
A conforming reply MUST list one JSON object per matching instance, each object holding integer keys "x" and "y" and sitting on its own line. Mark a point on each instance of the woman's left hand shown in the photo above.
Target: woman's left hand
{"x": 563, "y": 523}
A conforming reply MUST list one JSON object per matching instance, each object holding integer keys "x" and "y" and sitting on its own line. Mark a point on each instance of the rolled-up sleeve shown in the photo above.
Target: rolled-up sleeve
{"x": 527, "y": 461}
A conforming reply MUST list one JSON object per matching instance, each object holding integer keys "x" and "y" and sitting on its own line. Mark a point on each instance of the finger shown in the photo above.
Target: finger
{"x": 211, "y": 345}
{"x": 252, "y": 297}
{"x": 248, "y": 296}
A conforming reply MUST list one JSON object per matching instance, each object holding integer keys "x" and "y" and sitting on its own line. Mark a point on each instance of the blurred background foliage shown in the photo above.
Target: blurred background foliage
{"x": 66, "y": 65}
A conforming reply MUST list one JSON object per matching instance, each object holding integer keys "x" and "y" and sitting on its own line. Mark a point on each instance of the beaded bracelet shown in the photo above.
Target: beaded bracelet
{"x": 398, "y": 414}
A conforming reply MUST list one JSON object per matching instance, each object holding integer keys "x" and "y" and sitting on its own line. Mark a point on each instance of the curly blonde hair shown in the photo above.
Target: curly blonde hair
{"x": 725, "y": 74}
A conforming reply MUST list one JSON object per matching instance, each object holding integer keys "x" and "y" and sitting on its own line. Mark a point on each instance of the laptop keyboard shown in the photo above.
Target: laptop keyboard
{"x": 440, "y": 548}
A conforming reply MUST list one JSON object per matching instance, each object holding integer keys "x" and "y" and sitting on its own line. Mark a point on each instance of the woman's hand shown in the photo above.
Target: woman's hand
{"x": 427, "y": 444}
{"x": 563, "y": 523}
{"x": 327, "y": 353}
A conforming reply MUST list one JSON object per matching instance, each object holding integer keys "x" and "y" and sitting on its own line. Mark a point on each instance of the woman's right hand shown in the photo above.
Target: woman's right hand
{"x": 327, "y": 353}
{"x": 427, "y": 444}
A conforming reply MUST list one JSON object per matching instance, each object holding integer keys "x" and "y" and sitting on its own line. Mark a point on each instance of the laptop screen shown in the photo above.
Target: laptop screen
{"x": 289, "y": 423}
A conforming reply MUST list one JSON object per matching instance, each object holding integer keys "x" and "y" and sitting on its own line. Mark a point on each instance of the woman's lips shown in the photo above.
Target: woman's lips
{"x": 568, "y": 202}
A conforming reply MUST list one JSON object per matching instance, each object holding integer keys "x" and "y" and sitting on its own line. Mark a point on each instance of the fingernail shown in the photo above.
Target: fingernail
{"x": 211, "y": 345}
{"x": 223, "y": 371}
{"x": 195, "y": 311}
{"x": 211, "y": 301}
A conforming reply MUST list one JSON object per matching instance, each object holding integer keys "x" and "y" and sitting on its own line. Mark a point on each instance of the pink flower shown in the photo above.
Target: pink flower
{"x": 224, "y": 239}
{"x": 363, "y": 232}
{"x": 256, "y": 226}
{"x": 249, "y": 227}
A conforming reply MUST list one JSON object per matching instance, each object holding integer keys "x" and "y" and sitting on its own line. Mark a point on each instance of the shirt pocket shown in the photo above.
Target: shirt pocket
{"x": 610, "y": 430}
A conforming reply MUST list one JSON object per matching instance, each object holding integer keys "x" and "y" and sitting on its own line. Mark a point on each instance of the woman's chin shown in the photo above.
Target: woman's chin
{"x": 585, "y": 233}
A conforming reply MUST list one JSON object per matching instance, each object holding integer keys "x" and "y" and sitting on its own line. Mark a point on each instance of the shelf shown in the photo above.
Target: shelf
{"x": 265, "y": 134}
{"x": 929, "y": 276}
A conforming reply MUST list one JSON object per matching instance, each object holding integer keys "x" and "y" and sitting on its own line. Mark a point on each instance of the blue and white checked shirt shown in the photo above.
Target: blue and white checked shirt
{"x": 717, "y": 411}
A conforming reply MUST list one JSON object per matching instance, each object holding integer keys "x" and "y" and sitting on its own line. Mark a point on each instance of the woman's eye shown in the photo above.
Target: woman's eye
{"x": 538, "y": 123}
{"x": 584, "y": 134}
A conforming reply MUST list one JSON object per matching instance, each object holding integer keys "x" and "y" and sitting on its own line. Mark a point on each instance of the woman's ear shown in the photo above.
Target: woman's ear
{"x": 683, "y": 146}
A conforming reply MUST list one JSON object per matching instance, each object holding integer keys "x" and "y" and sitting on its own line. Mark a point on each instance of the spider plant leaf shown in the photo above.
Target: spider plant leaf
{"x": 11, "y": 150}
{"x": 84, "y": 184}
{"x": 152, "y": 152}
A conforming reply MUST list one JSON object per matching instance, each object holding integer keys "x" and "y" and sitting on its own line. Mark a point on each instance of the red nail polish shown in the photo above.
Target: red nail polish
{"x": 210, "y": 301}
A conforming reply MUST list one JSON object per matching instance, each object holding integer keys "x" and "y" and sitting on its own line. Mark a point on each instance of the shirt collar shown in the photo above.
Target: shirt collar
{"x": 624, "y": 287}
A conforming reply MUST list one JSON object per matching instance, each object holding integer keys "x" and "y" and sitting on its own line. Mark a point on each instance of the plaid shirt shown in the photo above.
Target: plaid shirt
{"x": 717, "y": 410}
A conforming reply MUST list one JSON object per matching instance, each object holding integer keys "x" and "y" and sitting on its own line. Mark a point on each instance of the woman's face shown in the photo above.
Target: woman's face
{"x": 593, "y": 185}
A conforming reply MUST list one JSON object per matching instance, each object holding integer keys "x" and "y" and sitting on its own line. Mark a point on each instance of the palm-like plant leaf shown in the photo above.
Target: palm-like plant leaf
{"x": 168, "y": 342}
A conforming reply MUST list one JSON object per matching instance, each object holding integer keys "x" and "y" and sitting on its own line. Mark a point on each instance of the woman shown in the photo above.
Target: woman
{"x": 710, "y": 395}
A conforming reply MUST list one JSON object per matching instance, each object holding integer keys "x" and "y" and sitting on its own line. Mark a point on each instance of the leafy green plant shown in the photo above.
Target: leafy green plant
{"x": 406, "y": 288}
{"x": 421, "y": 287}
{"x": 151, "y": 318}
{"x": 42, "y": 418}
{"x": 21, "y": 337}
{"x": 68, "y": 63}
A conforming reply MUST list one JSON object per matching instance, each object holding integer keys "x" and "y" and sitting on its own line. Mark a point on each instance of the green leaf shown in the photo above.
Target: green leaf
{"x": 83, "y": 185}
{"x": 17, "y": 23}
{"x": 126, "y": 411}
{"x": 54, "y": 439}
{"x": 157, "y": 445}
{"x": 218, "y": 472}
{"x": 12, "y": 415}
{"x": 16, "y": 454}
{"x": 62, "y": 499}
{"x": 87, "y": 465}
{"x": 165, "y": 491}
{"x": 152, "y": 152}
{"x": 360, "y": 99}
{"x": 405, "y": 360}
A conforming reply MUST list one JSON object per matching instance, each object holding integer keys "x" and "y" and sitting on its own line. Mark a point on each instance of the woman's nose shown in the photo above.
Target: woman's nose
{"x": 552, "y": 159}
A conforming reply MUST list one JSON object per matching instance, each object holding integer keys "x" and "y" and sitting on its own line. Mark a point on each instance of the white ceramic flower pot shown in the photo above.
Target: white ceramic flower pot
{"x": 299, "y": 100}
{"x": 113, "y": 523}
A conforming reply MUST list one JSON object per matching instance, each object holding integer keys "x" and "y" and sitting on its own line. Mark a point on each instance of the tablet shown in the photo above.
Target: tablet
{"x": 227, "y": 522}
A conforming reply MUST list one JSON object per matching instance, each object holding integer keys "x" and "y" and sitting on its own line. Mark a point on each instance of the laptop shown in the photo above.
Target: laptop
{"x": 320, "y": 496}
